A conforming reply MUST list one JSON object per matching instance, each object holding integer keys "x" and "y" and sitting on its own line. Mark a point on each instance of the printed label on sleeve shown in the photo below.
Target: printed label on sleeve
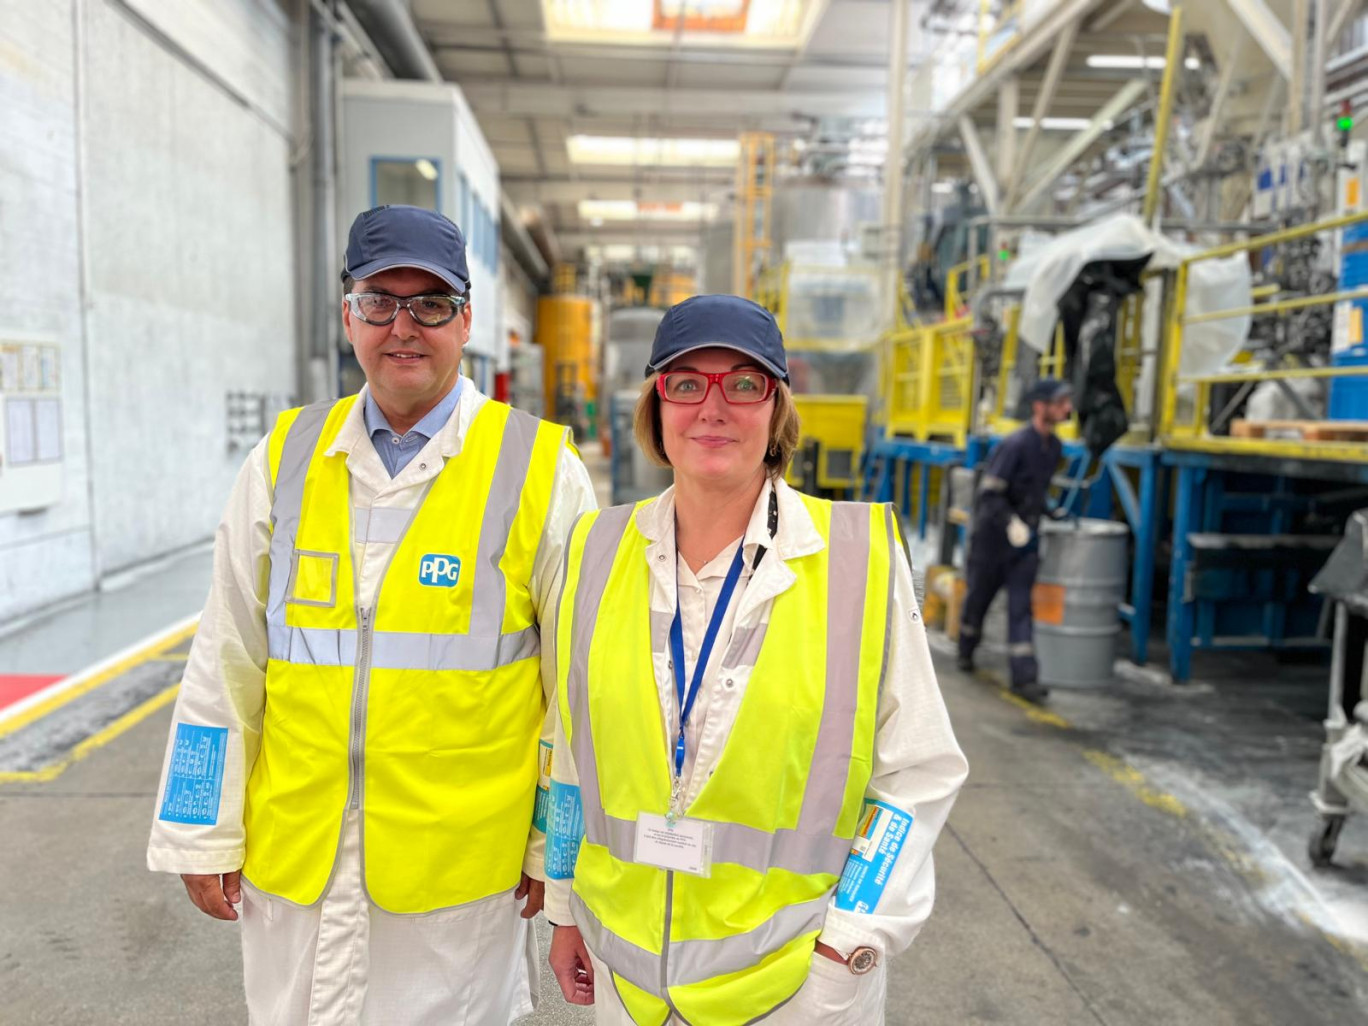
{"x": 195, "y": 779}
{"x": 565, "y": 830}
{"x": 883, "y": 830}
{"x": 539, "y": 812}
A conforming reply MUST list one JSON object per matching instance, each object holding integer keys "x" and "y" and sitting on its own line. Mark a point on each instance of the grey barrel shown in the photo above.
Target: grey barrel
{"x": 1077, "y": 599}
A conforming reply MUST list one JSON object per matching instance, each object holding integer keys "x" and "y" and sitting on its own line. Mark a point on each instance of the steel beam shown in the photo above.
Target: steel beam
{"x": 1083, "y": 140}
{"x": 1218, "y": 101}
{"x": 1054, "y": 73}
{"x": 1346, "y": 10}
{"x": 978, "y": 162}
{"x": 1270, "y": 33}
{"x": 1296, "y": 107}
{"x": 1009, "y": 103}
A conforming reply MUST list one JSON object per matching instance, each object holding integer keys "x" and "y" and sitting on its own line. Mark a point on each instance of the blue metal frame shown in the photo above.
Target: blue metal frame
{"x": 375, "y": 161}
{"x": 1142, "y": 511}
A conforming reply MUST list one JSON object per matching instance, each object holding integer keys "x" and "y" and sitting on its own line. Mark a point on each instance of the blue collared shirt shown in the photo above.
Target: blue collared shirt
{"x": 397, "y": 450}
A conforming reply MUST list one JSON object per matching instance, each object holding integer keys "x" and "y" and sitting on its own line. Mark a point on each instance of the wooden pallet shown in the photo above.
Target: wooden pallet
{"x": 1305, "y": 430}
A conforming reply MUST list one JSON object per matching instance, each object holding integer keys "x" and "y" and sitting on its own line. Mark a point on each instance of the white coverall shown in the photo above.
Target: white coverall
{"x": 918, "y": 766}
{"x": 342, "y": 960}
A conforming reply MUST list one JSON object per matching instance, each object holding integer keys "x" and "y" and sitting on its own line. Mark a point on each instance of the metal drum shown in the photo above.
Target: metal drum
{"x": 1075, "y": 604}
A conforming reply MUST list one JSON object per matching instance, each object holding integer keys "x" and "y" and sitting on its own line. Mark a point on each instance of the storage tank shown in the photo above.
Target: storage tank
{"x": 631, "y": 330}
{"x": 565, "y": 332}
{"x": 1077, "y": 598}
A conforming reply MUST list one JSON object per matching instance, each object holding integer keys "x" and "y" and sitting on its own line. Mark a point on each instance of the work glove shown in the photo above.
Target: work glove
{"x": 1018, "y": 534}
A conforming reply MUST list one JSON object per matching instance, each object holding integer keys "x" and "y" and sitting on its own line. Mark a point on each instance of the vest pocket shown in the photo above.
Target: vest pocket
{"x": 313, "y": 579}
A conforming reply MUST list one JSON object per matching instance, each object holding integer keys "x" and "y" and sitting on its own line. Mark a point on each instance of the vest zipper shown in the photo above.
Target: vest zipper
{"x": 360, "y": 691}
{"x": 665, "y": 947}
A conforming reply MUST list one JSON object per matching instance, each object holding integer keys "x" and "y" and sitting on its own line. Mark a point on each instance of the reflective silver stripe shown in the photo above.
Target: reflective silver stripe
{"x": 696, "y": 961}
{"x": 1021, "y": 648}
{"x": 501, "y": 506}
{"x": 826, "y": 779}
{"x": 891, "y": 528}
{"x": 485, "y": 647}
{"x": 660, "y": 631}
{"x": 992, "y": 483}
{"x": 740, "y": 845}
{"x": 383, "y": 525}
{"x": 745, "y": 646}
{"x": 288, "y": 500}
{"x": 596, "y": 562}
{"x": 628, "y": 960}
{"x": 397, "y": 650}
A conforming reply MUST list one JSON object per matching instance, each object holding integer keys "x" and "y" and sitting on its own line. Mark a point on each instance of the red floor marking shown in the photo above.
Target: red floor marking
{"x": 16, "y": 686}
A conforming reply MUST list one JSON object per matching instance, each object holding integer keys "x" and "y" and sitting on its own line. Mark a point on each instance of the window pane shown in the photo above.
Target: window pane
{"x": 407, "y": 181}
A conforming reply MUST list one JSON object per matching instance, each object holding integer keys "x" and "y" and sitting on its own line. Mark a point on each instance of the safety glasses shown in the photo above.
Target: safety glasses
{"x": 740, "y": 387}
{"x": 380, "y": 308}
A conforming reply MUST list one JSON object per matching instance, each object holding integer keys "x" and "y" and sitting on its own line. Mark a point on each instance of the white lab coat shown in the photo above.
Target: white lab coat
{"x": 918, "y": 766}
{"x": 341, "y": 960}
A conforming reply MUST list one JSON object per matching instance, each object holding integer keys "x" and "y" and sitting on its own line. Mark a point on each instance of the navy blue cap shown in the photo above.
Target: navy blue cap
{"x": 730, "y": 322}
{"x": 1047, "y": 390}
{"x": 403, "y": 236}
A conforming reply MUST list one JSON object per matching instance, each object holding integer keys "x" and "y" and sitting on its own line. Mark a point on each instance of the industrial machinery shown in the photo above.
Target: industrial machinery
{"x": 625, "y": 355}
{"x": 565, "y": 333}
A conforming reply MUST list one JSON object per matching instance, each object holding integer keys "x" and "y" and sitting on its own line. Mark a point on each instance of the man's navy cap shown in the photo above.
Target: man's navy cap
{"x": 727, "y": 321}
{"x": 1047, "y": 390}
{"x": 403, "y": 236}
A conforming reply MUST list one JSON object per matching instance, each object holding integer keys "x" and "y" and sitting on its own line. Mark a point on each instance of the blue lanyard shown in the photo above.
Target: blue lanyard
{"x": 686, "y": 703}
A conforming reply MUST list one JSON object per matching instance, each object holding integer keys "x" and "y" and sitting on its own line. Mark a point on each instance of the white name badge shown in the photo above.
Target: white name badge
{"x": 684, "y": 846}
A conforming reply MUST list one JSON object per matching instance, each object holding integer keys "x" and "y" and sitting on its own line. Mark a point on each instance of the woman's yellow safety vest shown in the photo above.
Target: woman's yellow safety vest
{"x": 786, "y": 795}
{"x": 423, "y": 710}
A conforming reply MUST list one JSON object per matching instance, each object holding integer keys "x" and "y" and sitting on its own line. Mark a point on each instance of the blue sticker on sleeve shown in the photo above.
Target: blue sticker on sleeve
{"x": 543, "y": 805}
{"x": 195, "y": 780}
{"x": 883, "y": 830}
{"x": 565, "y": 831}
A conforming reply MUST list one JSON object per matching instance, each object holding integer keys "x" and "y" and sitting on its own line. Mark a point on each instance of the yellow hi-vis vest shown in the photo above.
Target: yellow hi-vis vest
{"x": 787, "y": 792}
{"x": 422, "y": 710}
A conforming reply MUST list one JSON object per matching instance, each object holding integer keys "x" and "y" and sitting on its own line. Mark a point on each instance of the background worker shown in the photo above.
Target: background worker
{"x": 354, "y": 753}
{"x": 1004, "y": 542}
{"x": 745, "y": 691}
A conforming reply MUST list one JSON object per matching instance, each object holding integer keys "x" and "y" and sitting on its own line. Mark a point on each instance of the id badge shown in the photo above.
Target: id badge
{"x": 684, "y": 846}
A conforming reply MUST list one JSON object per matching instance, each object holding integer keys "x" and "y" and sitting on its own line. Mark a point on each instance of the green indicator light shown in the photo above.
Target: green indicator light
{"x": 1345, "y": 124}
{"x": 1004, "y": 254}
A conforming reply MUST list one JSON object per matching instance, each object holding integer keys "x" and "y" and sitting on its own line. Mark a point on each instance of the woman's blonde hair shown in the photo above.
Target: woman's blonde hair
{"x": 783, "y": 428}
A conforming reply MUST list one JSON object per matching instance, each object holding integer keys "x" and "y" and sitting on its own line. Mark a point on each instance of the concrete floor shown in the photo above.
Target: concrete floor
{"x": 1131, "y": 856}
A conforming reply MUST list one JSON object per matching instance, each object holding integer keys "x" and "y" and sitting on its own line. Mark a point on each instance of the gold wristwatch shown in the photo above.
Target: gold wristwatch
{"x": 862, "y": 960}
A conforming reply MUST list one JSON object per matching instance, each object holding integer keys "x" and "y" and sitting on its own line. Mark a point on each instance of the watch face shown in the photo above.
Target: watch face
{"x": 861, "y": 961}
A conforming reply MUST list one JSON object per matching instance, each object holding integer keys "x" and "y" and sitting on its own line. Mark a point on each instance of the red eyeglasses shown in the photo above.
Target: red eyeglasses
{"x": 739, "y": 387}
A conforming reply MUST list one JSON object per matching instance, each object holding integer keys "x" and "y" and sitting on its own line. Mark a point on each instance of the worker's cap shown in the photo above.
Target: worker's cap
{"x": 1048, "y": 390}
{"x": 386, "y": 237}
{"x": 729, "y": 322}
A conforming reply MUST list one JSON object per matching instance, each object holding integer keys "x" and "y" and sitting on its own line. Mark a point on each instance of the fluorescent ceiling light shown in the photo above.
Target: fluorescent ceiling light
{"x": 426, "y": 168}
{"x": 1055, "y": 124}
{"x": 642, "y": 151}
{"x": 598, "y": 211}
{"x": 1134, "y": 62}
{"x": 777, "y": 24}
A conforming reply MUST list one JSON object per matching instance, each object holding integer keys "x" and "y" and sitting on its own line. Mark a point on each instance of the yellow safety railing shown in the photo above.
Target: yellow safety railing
{"x": 1003, "y": 30}
{"x": 930, "y": 381}
{"x": 1190, "y": 428}
{"x": 956, "y": 286}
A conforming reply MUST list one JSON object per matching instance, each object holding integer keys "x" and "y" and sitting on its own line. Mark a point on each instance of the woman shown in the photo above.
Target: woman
{"x": 751, "y": 741}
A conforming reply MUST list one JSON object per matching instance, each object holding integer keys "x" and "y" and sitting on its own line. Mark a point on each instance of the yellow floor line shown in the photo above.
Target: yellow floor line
{"x": 120, "y": 726}
{"x": 1134, "y": 781}
{"x": 1033, "y": 711}
{"x": 148, "y": 652}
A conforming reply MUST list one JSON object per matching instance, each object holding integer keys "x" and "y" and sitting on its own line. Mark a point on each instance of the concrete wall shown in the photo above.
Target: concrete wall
{"x": 152, "y": 185}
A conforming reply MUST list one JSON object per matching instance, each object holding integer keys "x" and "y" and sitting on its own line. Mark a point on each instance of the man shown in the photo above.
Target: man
{"x": 1003, "y": 545}
{"x": 354, "y": 754}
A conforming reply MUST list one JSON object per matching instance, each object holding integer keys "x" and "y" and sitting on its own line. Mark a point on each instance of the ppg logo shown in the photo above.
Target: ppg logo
{"x": 439, "y": 571}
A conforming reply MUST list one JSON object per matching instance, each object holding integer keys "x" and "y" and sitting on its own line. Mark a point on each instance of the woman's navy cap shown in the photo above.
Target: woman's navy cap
{"x": 400, "y": 236}
{"x": 727, "y": 321}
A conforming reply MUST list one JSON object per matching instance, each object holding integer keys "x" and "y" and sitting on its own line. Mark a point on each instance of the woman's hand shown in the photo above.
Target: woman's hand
{"x": 570, "y": 962}
{"x": 827, "y": 951}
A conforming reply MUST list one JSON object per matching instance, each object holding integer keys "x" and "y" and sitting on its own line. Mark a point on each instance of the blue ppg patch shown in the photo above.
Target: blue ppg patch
{"x": 883, "y": 830}
{"x": 439, "y": 571}
{"x": 565, "y": 822}
{"x": 195, "y": 779}
{"x": 543, "y": 806}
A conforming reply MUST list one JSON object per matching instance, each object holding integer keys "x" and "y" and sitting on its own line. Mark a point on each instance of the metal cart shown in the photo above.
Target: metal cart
{"x": 1343, "y": 784}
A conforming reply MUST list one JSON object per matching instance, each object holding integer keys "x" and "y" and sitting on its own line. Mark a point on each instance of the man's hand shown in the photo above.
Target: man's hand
{"x": 214, "y": 895}
{"x": 570, "y": 962}
{"x": 827, "y": 951}
{"x": 1018, "y": 534}
{"x": 535, "y": 893}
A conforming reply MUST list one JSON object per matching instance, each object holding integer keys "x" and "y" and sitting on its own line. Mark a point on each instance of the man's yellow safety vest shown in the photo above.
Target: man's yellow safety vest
{"x": 422, "y": 710}
{"x": 785, "y": 798}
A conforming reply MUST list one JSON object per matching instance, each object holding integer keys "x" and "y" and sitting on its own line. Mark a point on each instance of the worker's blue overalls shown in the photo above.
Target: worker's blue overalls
{"x": 1015, "y": 481}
